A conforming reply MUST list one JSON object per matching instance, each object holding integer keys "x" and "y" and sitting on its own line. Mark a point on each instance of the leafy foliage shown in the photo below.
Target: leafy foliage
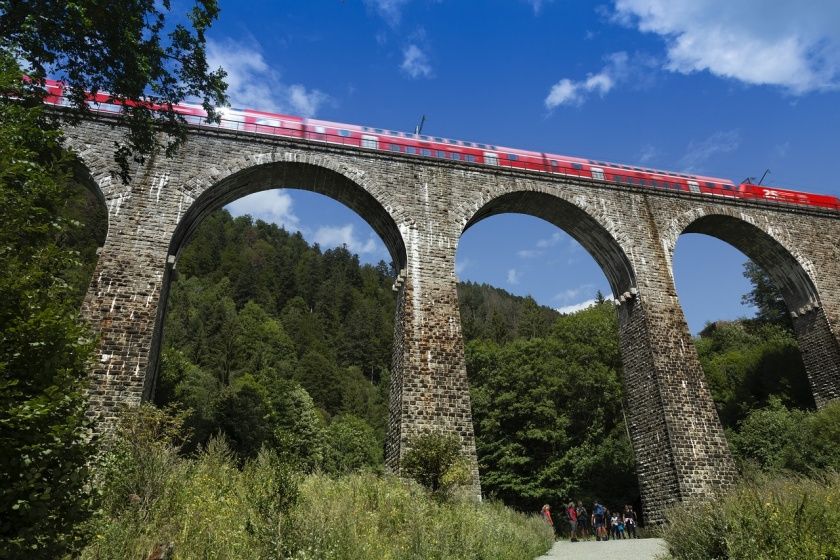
{"x": 44, "y": 348}
{"x": 435, "y": 461}
{"x": 774, "y": 518}
{"x": 208, "y": 506}
{"x": 490, "y": 313}
{"x": 134, "y": 49}
{"x": 548, "y": 414}
{"x": 765, "y": 297}
{"x": 264, "y": 354}
{"x": 775, "y": 439}
{"x": 747, "y": 363}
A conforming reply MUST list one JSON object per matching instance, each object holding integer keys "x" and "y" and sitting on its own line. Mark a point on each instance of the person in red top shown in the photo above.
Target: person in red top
{"x": 571, "y": 517}
{"x": 546, "y": 515}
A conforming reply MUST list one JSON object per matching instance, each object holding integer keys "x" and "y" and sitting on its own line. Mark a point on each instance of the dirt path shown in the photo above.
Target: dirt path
{"x": 627, "y": 549}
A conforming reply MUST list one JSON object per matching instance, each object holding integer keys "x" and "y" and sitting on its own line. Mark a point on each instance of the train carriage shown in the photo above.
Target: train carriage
{"x": 421, "y": 145}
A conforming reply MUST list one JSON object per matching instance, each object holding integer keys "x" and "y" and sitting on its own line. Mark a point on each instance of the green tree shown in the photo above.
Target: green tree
{"x": 765, "y": 297}
{"x": 350, "y": 444}
{"x": 44, "y": 347}
{"x": 134, "y": 49}
{"x": 242, "y": 414}
{"x": 298, "y": 429}
{"x": 548, "y": 413}
{"x": 435, "y": 461}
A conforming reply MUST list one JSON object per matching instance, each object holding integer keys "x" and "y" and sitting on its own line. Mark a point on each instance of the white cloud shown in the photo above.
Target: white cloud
{"x": 550, "y": 241}
{"x": 647, "y": 153}
{"x": 529, "y": 253}
{"x": 698, "y": 153}
{"x": 568, "y": 92}
{"x": 571, "y": 294}
{"x": 575, "y": 307}
{"x": 253, "y": 84}
{"x": 389, "y": 10}
{"x": 273, "y": 206}
{"x": 336, "y": 236}
{"x": 461, "y": 265}
{"x": 513, "y": 276}
{"x": 566, "y": 309}
{"x": 537, "y": 5}
{"x": 415, "y": 62}
{"x": 795, "y": 45}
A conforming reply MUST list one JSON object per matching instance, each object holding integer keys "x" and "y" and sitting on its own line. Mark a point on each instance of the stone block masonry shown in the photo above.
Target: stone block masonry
{"x": 420, "y": 207}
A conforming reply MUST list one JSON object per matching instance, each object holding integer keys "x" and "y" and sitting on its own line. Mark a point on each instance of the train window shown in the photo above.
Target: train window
{"x": 440, "y": 154}
{"x": 342, "y": 132}
{"x": 469, "y": 144}
{"x": 710, "y": 185}
{"x": 378, "y": 130}
{"x": 436, "y": 139}
{"x": 366, "y": 129}
{"x": 426, "y": 152}
{"x": 694, "y": 187}
{"x": 513, "y": 157}
{"x": 394, "y": 147}
{"x": 469, "y": 157}
{"x": 577, "y": 166}
{"x": 597, "y": 173}
{"x": 482, "y": 146}
{"x": 553, "y": 163}
{"x": 410, "y": 150}
{"x": 491, "y": 159}
{"x": 370, "y": 142}
{"x": 424, "y": 137}
{"x": 455, "y": 156}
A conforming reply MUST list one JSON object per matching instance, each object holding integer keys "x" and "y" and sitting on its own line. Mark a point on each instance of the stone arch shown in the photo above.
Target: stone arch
{"x": 581, "y": 220}
{"x": 790, "y": 271}
{"x": 316, "y": 173}
{"x": 91, "y": 170}
{"x": 215, "y": 188}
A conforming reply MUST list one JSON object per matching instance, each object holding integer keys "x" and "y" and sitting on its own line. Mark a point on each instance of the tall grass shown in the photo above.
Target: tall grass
{"x": 209, "y": 507}
{"x": 368, "y": 516}
{"x": 767, "y": 518}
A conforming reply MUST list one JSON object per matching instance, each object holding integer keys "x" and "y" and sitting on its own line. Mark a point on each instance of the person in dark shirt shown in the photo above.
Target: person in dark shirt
{"x": 630, "y": 521}
{"x": 599, "y": 514}
{"x": 583, "y": 521}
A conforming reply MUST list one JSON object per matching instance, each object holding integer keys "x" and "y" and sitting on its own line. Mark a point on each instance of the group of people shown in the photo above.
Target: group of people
{"x": 602, "y": 523}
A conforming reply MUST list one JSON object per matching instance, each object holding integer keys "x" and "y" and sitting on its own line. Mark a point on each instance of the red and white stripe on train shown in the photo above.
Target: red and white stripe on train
{"x": 260, "y": 122}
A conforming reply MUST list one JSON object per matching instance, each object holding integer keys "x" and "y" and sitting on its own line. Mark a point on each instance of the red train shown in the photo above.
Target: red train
{"x": 421, "y": 145}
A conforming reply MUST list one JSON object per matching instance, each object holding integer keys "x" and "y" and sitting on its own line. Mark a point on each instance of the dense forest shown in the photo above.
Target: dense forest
{"x": 276, "y": 343}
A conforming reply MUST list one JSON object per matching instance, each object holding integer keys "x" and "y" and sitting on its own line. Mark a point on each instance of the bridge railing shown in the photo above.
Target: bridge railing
{"x": 473, "y": 154}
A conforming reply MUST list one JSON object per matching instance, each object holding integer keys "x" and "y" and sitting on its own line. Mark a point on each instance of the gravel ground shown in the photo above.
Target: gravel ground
{"x": 626, "y": 549}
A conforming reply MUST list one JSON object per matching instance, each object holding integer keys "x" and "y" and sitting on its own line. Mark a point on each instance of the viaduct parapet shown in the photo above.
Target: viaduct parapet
{"x": 420, "y": 207}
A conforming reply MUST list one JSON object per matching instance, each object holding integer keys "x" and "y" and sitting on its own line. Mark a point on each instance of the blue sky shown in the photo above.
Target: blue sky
{"x": 715, "y": 87}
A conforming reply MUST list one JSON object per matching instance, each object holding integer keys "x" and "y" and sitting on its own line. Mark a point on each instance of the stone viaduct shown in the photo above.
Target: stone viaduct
{"x": 420, "y": 207}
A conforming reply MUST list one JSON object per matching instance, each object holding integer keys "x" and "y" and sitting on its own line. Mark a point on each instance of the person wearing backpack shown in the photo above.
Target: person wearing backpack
{"x": 599, "y": 513}
{"x": 583, "y": 521}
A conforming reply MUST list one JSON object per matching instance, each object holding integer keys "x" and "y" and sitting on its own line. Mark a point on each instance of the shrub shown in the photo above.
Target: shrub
{"x": 207, "y": 506}
{"x": 770, "y": 518}
{"x": 435, "y": 461}
{"x": 775, "y": 439}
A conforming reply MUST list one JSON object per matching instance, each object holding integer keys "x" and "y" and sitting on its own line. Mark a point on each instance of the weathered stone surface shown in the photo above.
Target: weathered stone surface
{"x": 420, "y": 207}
